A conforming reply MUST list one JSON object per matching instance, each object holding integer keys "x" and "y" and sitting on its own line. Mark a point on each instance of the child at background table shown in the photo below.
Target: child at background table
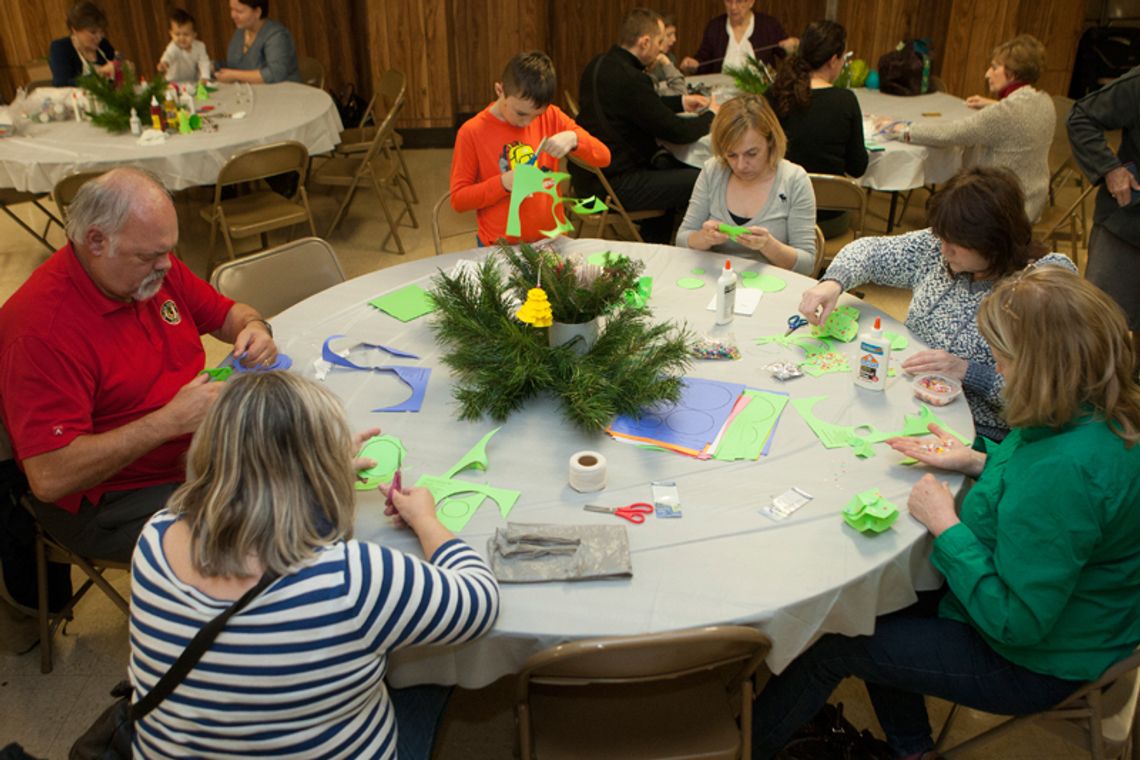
{"x": 667, "y": 78}
{"x": 520, "y": 127}
{"x": 185, "y": 58}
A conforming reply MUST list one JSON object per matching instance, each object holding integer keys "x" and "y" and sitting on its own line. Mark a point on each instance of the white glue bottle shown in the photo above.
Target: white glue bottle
{"x": 725, "y": 294}
{"x": 136, "y": 124}
{"x": 872, "y": 359}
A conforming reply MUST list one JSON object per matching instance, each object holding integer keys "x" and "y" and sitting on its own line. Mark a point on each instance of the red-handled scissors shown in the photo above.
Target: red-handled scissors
{"x": 395, "y": 486}
{"x": 635, "y": 512}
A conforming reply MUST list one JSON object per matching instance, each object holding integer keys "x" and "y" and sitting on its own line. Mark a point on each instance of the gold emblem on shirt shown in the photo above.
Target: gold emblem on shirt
{"x": 169, "y": 312}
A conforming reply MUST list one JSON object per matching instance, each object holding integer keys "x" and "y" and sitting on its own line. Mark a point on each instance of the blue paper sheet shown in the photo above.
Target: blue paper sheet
{"x": 415, "y": 378}
{"x": 693, "y": 422}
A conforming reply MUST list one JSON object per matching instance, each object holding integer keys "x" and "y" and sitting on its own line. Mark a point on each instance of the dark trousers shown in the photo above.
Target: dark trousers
{"x": 907, "y": 657}
{"x": 418, "y": 712}
{"x": 667, "y": 185}
{"x": 108, "y": 530}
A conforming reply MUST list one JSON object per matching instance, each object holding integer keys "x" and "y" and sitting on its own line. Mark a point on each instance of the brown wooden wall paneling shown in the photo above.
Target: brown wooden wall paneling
{"x": 484, "y": 36}
{"x": 412, "y": 35}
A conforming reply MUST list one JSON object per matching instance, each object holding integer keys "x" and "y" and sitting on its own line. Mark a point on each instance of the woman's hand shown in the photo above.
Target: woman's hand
{"x": 708, "y": 236}
{"x": 944, "y": 451}
{"x": 819, "y": 301}
{"x": 411, "y": 507}
{"x": 931, "y": 360}
{"x": 977, "y": 101}
{"x": 932, "y": 504}
{"x": 358, "y": 441}
{"x": 689, "y": 65}
{"x": 757, "y": 239}
{"x": 789, "y": 44}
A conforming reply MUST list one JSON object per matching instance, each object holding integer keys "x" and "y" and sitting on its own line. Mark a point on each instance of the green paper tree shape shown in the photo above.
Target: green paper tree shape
{"x": 869, "y": 512}
{"x": 733, "y": 231}
{"x": 388, "y": 452}
{"x": 529, "y": 180}
{"x": 841, "y": 324}
{"x": 475, "y": 458}
{"x": 457, "y": 500}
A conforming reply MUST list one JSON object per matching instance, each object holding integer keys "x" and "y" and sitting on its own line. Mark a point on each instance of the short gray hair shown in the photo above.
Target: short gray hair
{"x": 105, "y": 202}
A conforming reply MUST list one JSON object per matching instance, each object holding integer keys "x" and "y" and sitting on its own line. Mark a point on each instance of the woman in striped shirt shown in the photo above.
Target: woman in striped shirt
{"x": 299, "y": 672}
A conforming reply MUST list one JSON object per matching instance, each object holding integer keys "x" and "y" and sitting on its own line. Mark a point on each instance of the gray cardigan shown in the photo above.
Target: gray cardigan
{"x": 788, "y": 214}
{"x": 943, "y": 308}
{"x": 272, "y": 53}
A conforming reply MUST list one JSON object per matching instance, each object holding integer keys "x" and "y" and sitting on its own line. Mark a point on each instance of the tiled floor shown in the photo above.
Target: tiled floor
{"x": 46, "y": 712}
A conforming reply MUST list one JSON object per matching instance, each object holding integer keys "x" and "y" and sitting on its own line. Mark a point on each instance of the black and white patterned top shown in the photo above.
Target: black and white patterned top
{"x": 943, "y": 308}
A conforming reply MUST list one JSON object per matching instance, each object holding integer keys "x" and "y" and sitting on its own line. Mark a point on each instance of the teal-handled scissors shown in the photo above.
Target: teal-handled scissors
{"x": 795, "y": 322}
{"x": 635, "y": 512}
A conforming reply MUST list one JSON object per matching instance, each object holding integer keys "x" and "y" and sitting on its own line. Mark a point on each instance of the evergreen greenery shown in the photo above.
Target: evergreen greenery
{"x": 499, "y": 363}
{"x": 754, "y": 76}
{"x": 116, "y": 102}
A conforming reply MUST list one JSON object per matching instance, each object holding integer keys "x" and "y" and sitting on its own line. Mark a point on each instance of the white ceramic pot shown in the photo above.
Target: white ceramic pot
{"x": 583, "y": 335}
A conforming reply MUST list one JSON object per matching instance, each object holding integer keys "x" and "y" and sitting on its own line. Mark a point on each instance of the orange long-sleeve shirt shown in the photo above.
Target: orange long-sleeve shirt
{"x": 487, "y": 147}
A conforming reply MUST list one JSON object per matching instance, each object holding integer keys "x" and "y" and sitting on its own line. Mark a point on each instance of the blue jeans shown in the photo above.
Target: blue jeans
{"x": 906, "y": 658}
{"x": 418, "y": 712}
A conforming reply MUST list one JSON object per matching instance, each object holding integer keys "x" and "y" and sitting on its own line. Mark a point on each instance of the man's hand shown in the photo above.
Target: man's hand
{"x": 932, "y": 360}
{"x": 694, "y": 103}
{"x": 789, "y": 44}
{"x": 1120, "y": 184}
{"x": 977, "y": 101}
{"x": 819, "y": 301}
{"x": 561, "y": 144}
{"x": 254, "y": 345}
{"x": 689, "y": 65}
{"x": 185, "y": 412}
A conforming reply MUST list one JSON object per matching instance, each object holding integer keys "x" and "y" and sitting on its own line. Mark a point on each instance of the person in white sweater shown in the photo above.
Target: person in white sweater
{"x": 748, "y": 184}
{"x": 1013, "y": 131}
{"x": 185, "y": 58}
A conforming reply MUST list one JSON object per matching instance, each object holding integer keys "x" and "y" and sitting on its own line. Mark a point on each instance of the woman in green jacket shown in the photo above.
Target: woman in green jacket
{"x": 1042, "y": 563}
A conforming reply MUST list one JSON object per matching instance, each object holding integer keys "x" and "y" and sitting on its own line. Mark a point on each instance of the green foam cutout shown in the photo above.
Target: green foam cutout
{"x": 765, "y": 282}
{"x": 869, "y": 512}
{"x": 690, "y": 283}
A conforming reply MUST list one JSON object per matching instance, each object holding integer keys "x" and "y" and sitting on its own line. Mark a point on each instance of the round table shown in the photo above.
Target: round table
{"x": 46, "y": 153}
{"x": 900, "y": 166}
{"x": 723, "y": 561}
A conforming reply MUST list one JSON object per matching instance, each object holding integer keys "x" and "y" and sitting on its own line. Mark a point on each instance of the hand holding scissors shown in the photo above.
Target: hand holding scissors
{"x": 389, "y": 507}
{"x": 635, "y": 512}
{"x": 795, "y": 322}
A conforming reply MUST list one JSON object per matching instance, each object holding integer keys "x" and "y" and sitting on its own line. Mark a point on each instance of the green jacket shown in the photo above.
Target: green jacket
{"x": 1046, "y": 561}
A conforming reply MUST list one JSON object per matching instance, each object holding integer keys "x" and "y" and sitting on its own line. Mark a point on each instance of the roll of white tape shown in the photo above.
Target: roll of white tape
{"x": 587, "y": 471}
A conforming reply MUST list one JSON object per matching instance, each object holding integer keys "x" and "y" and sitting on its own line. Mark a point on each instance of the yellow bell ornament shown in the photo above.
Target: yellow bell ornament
{"x": 536, "y": 311}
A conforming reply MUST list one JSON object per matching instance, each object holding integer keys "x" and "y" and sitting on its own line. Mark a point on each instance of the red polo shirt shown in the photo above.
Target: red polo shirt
{"x": 74, "y": 362}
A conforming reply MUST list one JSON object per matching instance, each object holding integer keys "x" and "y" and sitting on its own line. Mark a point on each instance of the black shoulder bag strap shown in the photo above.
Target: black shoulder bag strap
{"x": 194, "y": 651}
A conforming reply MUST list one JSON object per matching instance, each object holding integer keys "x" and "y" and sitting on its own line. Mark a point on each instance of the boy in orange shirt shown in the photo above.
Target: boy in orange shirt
{"x": 507, "y": 134}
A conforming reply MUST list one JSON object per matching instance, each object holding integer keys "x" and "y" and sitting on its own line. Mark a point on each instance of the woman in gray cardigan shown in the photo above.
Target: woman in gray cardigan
{"x": 261, "y": 50}
{"x": 749, "y": 184}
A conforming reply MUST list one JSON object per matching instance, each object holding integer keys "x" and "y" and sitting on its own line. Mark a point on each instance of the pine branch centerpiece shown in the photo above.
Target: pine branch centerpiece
{"x": 752, "y": 76}
{"x": 499, "y": 362}
{"x": 116, "y": 100}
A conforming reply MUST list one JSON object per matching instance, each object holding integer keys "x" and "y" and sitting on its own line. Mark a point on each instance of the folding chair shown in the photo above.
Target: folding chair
{"x": 571, "y": 104}
{"x": 1100, "y": 717}
{"x": 312, "y": 71}
{"x": 1060, "y": 151}
{"x": 389, "y": 95}
{"x": 446, "y": 222}
{"x": 38, "y": 73}
{"x": 10, "y": 197}
{"x": 820, "y": 243}
{"x": 272, "y": 281}
{"x": 680, "y": 694}
{"x": 64, "y": 191}
{"x": 1072, "y": 226}
{"x": 604, "y": 220}
{"x": 263, "y": 209}
{"x": 835, "y": 192}
{"x": 378, "y": 165}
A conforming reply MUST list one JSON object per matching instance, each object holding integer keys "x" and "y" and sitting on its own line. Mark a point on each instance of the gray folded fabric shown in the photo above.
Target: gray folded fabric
{"x": 529, "y": 553}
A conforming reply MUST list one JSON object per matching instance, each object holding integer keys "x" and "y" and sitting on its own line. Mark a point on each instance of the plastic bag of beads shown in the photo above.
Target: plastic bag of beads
{"x": 716, "y": 347}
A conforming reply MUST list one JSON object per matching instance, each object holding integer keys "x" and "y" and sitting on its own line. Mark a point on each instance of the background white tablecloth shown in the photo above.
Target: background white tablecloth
{"x": 723, "y": 562}
{"x": 46, "y": 153}
{"x": 901, "y": 166}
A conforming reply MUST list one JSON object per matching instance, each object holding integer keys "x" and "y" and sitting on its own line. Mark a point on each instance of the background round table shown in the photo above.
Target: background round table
{"x": 723, "y": 561}
{"x": 46, "y": 153}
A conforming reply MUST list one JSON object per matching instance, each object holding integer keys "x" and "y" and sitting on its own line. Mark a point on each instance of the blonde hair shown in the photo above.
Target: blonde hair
{"x": 269, "y": 476}
{"x": 741, "y": 114}
{"x": 1065, "y": 345}
{"x": 1023, "y": 56}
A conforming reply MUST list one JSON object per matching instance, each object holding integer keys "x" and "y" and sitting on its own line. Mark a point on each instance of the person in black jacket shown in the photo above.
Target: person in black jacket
{"x": 84, "y": 49}
{"x": 621, "y": 107}
{"x": 1114, "y": 244}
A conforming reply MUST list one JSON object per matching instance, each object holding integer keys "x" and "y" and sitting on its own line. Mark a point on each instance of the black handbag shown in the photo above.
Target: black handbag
{"x": 111, "y": 735}
{"x": 350, "y": 106}
{"x": 905, "y": 70}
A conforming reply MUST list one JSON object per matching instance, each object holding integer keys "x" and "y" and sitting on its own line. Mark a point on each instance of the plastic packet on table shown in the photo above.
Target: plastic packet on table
{"x": 720, "y": 346}
{"x": 666, "y": 498}
{"x": 785, "y": 504}
{"x": 784, "y": 370}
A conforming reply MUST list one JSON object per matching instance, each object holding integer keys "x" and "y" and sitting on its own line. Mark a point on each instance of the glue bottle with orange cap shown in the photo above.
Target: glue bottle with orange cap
{"x": 873, "y": 358}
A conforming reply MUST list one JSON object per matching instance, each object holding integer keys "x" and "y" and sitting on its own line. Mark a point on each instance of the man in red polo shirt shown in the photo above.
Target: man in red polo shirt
{"x": 100, "y": 354}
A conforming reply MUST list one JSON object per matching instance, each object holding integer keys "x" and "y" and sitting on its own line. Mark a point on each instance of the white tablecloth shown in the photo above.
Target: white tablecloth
{"x": 46, "y": 153}
{"x": 722, "y": 562}
{"x": 901, "y": 166}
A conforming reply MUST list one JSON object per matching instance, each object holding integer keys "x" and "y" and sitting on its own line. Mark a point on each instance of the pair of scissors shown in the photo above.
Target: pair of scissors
{"x": 395, "y": 486}
{"x": 795, "y": 322}
{"x": 635, "y": 512}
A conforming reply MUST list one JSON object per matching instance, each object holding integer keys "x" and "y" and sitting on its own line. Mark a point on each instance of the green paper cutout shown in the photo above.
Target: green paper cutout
{"x": 218, "y": 374}
{"x": 560, "y": 227}
{"x": 765, "y": 282}
{"x": 919, "y": 425}
{"x": 698, "y": 271}
{"x": 750, "y": 430}
{"x": 389, "y": 453}
{"x": 201, "y": 93}
{"x": 184, "y": 122}
{"x": 862, "y": 447}
{"x": 749, "y": 275}
{"x": 408, "y": 303}
{"x": 638, "y": 298}
{"x": 891, "y": 371}
{"x": 898, "y": 342}
{"x": 822, "y": 363}
{"x": 195, "y": 122}
{"x": 587, "y": 206}
{"x": 733, "y": 231}
{"x": 690, "y": 283}
{"x": 600, "y": 259}
{"x": 458, "y": 511}
{"x": 528, "y": 180}
{"x": 831, "y": 436}
{"x": 841, "y": 324}
{"x": 869, "y": 512}
{"x": 475, "y": 458}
